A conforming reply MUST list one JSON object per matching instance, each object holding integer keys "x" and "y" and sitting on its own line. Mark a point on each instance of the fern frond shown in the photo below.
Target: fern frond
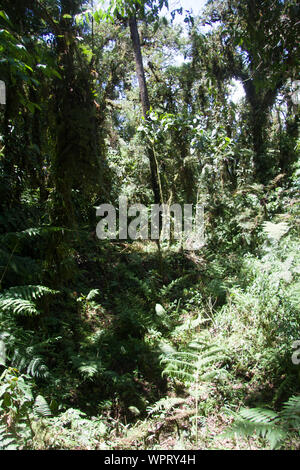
{"x": 18, "y": 306}
{"x": 37, "y": 368}
{"x": 295, "y": 295}
{"x": 88, "y": 371}
{"x": 165, "y": 404}
{"x": 27, "y": 292}
{"x": 203, "y": 363}
{"x": 244, "y": 428}
{"x": 41, "y": 407}
{"x": 259, "y": 415}
{"x": 20, "y": 300}
{"x": 218, "y": 374}
{"x": 291, "y": 411}
{"x": 178, "y": 374}
{"x": 267, "y": 423}
{"x": 89, "y": 368}
{"x": 7, "y": 441}
{"x": 275, "y": 231}
{"x": 93, "y": 294}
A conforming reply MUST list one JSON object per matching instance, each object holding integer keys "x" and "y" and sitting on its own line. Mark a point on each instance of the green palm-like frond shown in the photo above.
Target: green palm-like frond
{"x": 259, "y": 415}
{"x": 165, "y": 404}
{"x": 245, "y": 428}
{"x": 291, "y": 411}
{"x": 18, "y": 306}
{"x": 201, "y": 362}
{"x": 7, "y": 440}
{"x": 37, "y": 368}
{"x": 20, "y": 300}
{"x": 267, "y": 423}
{"x": 41, "y": 407}
{"x": 275, "y": 231}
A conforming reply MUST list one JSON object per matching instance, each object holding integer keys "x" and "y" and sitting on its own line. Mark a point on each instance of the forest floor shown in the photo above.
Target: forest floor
{"x": 161, "y": 350}
{"x": 135, "y": 351}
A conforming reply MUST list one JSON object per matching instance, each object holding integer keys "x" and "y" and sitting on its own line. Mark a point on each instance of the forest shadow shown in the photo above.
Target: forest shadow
{"x": 123, "y": 331}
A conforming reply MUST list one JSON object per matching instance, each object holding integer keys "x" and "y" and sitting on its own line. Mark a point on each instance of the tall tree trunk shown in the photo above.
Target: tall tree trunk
{"x": 260, "y": 101}
{"x": 76, "y": 162}
{"x": 136, "y": 43}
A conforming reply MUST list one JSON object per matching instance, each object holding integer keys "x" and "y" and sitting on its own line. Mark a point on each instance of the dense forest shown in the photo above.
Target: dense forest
{"x": 140, "y": 343}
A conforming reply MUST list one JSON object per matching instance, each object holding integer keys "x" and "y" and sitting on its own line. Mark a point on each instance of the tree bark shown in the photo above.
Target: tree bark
{"x": 136, "y": 43}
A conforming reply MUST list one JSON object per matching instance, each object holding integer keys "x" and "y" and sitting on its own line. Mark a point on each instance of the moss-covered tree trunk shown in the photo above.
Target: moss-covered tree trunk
{"x": 76, "y": 163}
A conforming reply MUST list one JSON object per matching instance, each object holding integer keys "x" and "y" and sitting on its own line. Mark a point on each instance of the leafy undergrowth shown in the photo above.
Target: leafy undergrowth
{"x": 177, "y": 360}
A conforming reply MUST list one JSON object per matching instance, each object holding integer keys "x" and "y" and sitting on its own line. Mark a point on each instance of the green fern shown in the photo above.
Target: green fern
{"x": 268, "y": 424}
{"x": 41, "y": 407}
{"x": 291, "y": 412}
{"x": 26, "y": 359}
{"x": 27, "y": 292}
{"x": 20, "y": 300}
{"x": 275, "y": 231}
{"x": 19, "y": 306}
{"x": 7, "y": 440}
{"x": 37, "y": 368}
{"x": 24, "y": 352}
{"x": 165, "y": 404}
{"x": 294, "y": 295}
{"x": 203, "y": 364}
{"x": 88, "y": 367}
{"x": 94, "y": 293}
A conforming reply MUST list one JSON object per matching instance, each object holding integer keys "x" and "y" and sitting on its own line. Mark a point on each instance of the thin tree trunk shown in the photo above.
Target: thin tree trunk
{"x": 145, "y": 103}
